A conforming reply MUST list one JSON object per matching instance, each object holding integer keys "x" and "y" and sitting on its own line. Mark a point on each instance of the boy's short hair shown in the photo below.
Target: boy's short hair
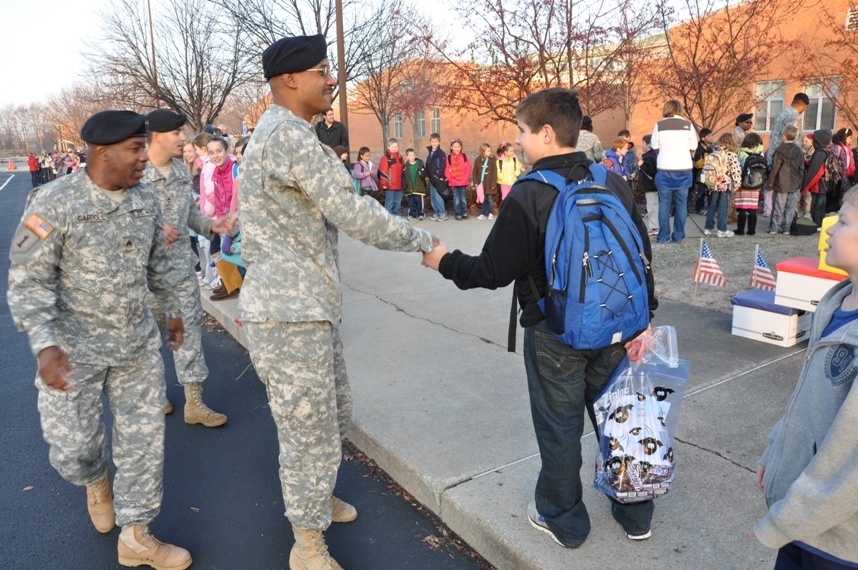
{"x": 391, "y": 141}
{"x": 851, "y": 196}
{"x": 624, "y": 133}
{"x": 407, "y": 150}
{"x": 705, "y": 132}
{"x": 671, "y": 108}
{"x": 435, "y": 136}
{"x": 647, "y": 139}
{"x": 556, "y": 106}
{"x": 790, "y": 132}
{"x": 619, "y": 143}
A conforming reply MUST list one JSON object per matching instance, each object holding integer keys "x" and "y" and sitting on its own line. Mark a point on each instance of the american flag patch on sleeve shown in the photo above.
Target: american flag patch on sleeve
{"x": 39, "y": 226}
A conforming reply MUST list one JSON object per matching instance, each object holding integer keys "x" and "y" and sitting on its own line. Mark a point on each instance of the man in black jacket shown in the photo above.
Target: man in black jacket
{"x": 562, "y": 381}
{"x": 332, "y": 133}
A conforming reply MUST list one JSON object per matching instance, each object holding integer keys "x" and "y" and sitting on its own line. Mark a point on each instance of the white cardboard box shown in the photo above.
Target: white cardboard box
{"x": 768, "y": 326}
{"x": 801, "y": 284}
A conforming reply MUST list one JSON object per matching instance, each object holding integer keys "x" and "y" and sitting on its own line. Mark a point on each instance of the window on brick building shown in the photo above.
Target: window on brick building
{"x": 436, "y": 121}
{"x": 821, "y": 114}
{"x": 397, "y": 125}
{"x": 770, "y": 102}
{"x": 421, "y": 124}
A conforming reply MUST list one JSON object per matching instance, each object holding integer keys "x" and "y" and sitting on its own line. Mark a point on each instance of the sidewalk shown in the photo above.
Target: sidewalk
{"x": 442, "y": 407}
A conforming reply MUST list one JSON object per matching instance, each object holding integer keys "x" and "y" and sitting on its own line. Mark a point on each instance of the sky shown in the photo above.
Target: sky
{"x": 43, "y": 41}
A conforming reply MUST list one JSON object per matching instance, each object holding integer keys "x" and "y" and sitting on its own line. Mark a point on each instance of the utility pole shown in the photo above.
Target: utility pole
{"x": 341, "y": 60}
{"x": 154, "y": 64}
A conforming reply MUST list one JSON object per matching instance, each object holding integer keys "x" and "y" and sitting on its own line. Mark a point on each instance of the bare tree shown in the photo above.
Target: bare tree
{"x": 400, "y": 77}
{"x": 247, "y": 103}
{"x": 835, "y": 68}
{"x": 69, "y": 109}
{"x": 198, "y": 61}
{"x": 715, "y": 54}
{"x": 523, "y": 46}
{"x": 265, "y": 21}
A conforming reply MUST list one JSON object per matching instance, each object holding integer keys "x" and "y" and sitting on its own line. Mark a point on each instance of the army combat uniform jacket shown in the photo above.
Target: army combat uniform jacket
{"x": 81, "y": 265}
{"x": 290, "y": 213}
{"x": 177, "y": 205}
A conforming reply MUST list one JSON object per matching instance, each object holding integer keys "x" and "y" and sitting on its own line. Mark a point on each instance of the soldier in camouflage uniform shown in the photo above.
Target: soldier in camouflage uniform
{"x": 295, "y": 195}
{"x": 86, "y": 249}
{"x": 167, "y": 175}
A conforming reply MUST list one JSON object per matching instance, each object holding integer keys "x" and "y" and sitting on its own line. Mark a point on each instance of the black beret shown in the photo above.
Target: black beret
{"x": 111, "y": 127}
{"x": 291, "y": 55}
{"x": 165, "y": 120}
{"x": 744, "y": 117}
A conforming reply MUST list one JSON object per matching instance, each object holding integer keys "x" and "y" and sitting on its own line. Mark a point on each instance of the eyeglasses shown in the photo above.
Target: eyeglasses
{"x": 324, "y": 71}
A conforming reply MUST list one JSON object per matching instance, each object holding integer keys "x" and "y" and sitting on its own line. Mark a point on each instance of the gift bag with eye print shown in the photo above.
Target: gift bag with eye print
{"x": 636, "y": 417}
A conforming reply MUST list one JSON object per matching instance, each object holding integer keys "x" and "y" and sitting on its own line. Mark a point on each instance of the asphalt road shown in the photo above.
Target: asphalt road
{"x": 222, "y": 497}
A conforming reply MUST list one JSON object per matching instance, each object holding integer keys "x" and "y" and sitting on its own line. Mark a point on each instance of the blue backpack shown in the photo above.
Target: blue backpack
{"x": 595, "y": 263}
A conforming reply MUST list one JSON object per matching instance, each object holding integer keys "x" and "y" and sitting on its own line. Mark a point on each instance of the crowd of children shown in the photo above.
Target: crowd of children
{"x": 444, "y": 177}
{"x": 804, "y": 180}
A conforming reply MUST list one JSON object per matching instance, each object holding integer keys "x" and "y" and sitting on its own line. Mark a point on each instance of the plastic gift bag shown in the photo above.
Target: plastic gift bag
{"x": 636, "y": 416}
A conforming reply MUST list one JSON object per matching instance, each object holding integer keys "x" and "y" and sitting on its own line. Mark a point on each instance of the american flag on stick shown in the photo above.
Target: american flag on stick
{"x": 761, "y": 276}
{"x": 707, "y": 270}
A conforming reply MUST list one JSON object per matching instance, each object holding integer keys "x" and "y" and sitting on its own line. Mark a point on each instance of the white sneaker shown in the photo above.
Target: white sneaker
{"x": 705, "y": 232}
{"x": 490, "y": 217}
{"x": 725, "y": 234}
{"x": 481, "y": 217}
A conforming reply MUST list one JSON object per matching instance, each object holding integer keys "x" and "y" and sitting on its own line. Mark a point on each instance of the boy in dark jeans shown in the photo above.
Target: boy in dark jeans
{"x": 562, "y": 382}
{"x": 436, "y": 162}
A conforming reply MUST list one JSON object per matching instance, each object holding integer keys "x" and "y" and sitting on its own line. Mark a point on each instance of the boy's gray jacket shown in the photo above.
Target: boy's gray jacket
{"x": 811, "y": 477}
{"x": 295, "y": 194}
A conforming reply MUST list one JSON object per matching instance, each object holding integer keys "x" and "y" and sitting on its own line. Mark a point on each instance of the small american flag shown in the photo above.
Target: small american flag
{"x": 707, "y": 270}
{"x": 761, "y": 276}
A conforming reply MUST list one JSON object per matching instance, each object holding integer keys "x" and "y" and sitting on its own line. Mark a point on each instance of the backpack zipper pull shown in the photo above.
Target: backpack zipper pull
{"x": 587, "y": 266}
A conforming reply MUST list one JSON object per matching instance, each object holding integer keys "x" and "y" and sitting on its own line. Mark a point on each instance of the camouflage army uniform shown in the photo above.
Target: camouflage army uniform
{"x": 788, "y": 116}
{"x": 78, "y": 281}
{"x": 295, "y": 194}
{"x": 177, "y": 204}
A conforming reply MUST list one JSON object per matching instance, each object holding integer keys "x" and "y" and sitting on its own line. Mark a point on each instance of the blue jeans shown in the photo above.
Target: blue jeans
{"x": 437, "y": 202}
{"x": 415, "y": 206}
{"x": 672, "y": 185}
{"x": 460, "y": 200}
{"x": 718, "y": 201}
{"x": 488, "y": 205}
{"x": 393, "y": 201}
{"x": 562, "y": 383}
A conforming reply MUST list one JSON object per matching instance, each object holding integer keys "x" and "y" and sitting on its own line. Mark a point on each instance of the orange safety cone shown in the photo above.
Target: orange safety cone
{"x": 11, "y": 165}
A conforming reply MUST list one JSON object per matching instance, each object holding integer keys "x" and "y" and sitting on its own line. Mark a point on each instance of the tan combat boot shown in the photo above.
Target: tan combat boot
{"x": 196, "y": 412}
{"x": 137, "y": 547}
{"x": 341, "y": 511}
{"x": 99, "y": 503}
{"x": 168, "y": 407}
{"x": 310, "y": 552}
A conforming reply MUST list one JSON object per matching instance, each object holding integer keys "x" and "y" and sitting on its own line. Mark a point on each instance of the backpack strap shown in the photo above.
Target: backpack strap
{"x": 513, "y": 313}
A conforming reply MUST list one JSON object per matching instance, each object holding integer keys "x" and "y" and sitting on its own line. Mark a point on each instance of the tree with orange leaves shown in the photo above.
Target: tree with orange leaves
{"x": 714, "y": 52}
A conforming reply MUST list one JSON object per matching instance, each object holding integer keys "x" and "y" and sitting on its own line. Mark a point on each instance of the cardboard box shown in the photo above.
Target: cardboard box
{"x": 801, "y": 284}
{"x": 757, "y": 317}
{"x": 827, "y": 222}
